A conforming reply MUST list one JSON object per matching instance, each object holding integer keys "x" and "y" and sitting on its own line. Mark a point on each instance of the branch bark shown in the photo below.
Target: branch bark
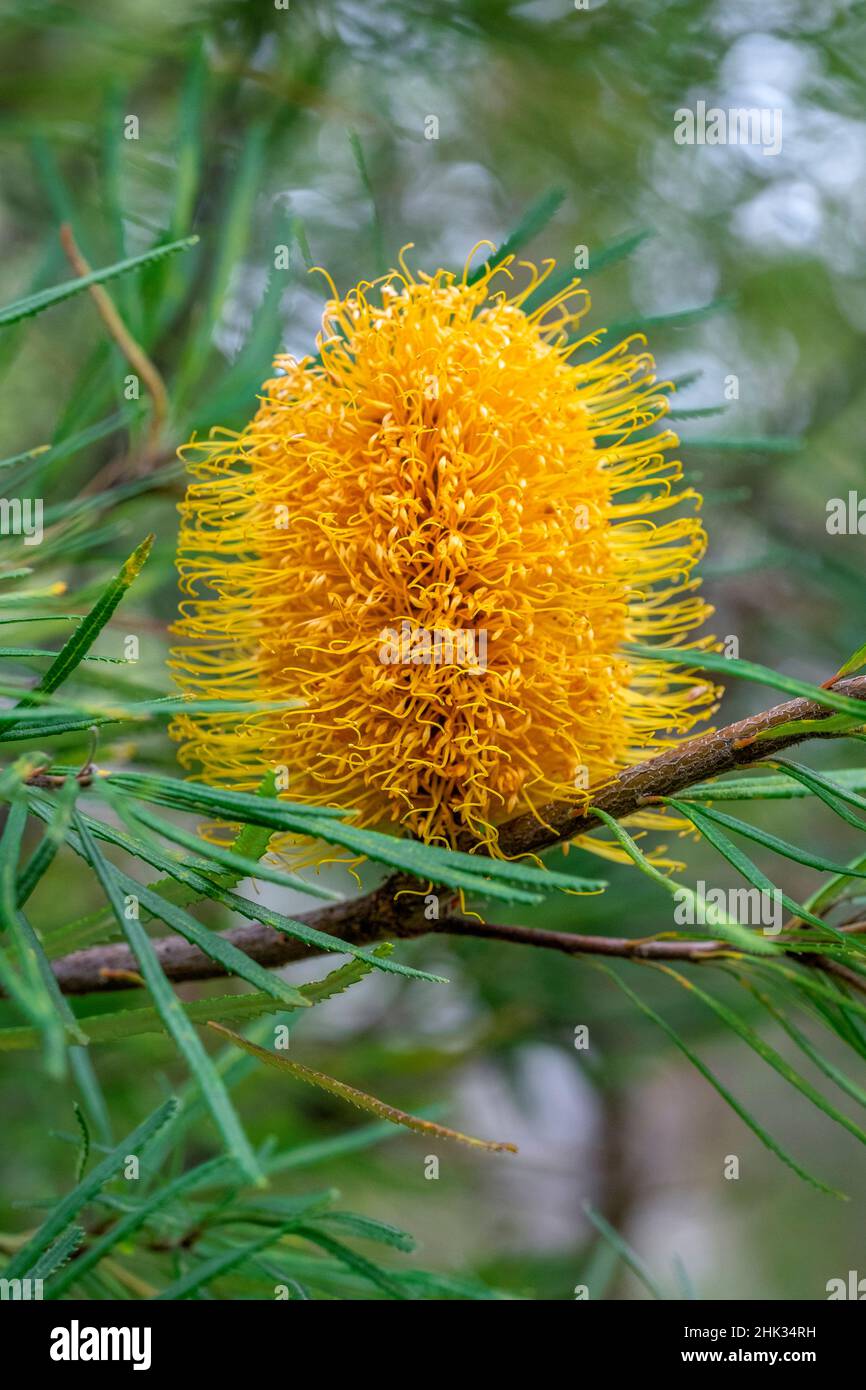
{"x": 396, "y": 909}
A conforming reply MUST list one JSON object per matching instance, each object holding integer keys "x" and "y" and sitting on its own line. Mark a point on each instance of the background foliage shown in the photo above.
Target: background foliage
{"x": 261, "y": 127}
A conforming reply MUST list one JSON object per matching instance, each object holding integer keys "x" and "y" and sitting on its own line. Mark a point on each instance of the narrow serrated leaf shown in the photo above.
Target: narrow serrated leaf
{"x": 205, "y": 1271}
{"x": 722, "y": 925}
{"x": 474, "y": 873}
{"x": 358, "y": 1098}
{"x": 57, "y": 1255}
{"x": 255, "y": 912}
{"x": 757, "y": 1129}
{"x": 751, "y": 671}
{"x": 537, "y": 216}
{"x": 86, "y": 633}
{"x": 69, "y": 1207}
{"x": 46, "y": 299}
{"x": 127, "y": 1226}
{"x": 171, "y": 1010}
{"x": 768, "y": 1054}
{"x": 55, "y": 834}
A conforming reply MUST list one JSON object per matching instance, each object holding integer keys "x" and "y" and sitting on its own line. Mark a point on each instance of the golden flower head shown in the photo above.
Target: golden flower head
{"x": 435, "y": 538}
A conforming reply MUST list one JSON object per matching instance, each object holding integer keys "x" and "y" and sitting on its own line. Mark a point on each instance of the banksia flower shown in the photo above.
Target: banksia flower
{"x": 436, "y": 538}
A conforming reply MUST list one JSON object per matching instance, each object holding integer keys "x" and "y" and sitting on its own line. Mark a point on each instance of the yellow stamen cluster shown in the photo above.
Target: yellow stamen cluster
{"x": 436, "y": 538}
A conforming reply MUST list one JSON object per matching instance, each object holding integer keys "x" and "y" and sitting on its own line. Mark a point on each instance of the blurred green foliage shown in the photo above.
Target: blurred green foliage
{"x": 260, "y": 127}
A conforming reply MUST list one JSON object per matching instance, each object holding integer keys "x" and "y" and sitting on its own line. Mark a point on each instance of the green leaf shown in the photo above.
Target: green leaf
{"x": 854, "y": 663}
{"x": 12, "y": 653}
{"x": 680, "y": 318}
{"x": 445, "y": 1286}
{"x": 89, "y": 629}
{"x": 723, "y": 926}
{"x": 341, "y": 979}
{"x": 832, "y": 1072}
{"x": 67, "y": 445}
{"x": 26, "y": 457}
{"x": 616, "y": 251}
{"x": 365, "y": 1228}
{"x": 768, "y": 788}
{"x": 829, "y": 891}
{"x": 234, "y": 390}
{"x": 37, "y": 617}
{"x": 79, "y": 1061}
{"x": 84, "y": 1152}
{"x": 46, "y": 299}
{"x": 705, "y": 822}
{"x": 358, "y": 1098}
{"x": 20, "y": 985}
{"x": 172, "y": 1012}
{"x": 767, "y": 1053}
{"x": 300, "y": 235}
{"x": 214, "y": 801}
{"x": 235, "y": 222}
{"x": 830, "y": 792}
{"x": 799, "y": 854}
{"x": 750, "y": 671}
{"x": 357, "y": 1263}
{"x": 132, "y": 1023}
{"x": 821, "y": 990}
{"x": 531, "y": 223}
{"x": 216, "y": 947}
{"x": 88, "y": 1085}
{"x": 189, "y": 158}
{"x": 726, "y": 1095}
{"x": 838, "y": 1017}
{"x": 379, "y": 258}
{"x": 36, "y": 990}
{"x": 122, "y": 1230}
{"x": 57, "y": 1255}
{"x": 696, "y": 413}
{"x": 22, "y": 723}
{"x": 92, "y": 930}
{"x": 250, "y": 843}
{"x": 51, "y": 841}
{"x": 804, "y": 728}
{"x": 682, "y": 383}
{"x": 737, "y": 859}
{"x": 625, "y": 1252}
{"x": 227, "y": 1008}
{"x": 128, "y": 292}
{"x": 560, "y": 278}
{"x": 208, "y": 888}
{"x": 475, "y": 873}
{"x": 60, "y": 1216}
{"x": 242, "y": 866}
{"x": 203, "y": 1273}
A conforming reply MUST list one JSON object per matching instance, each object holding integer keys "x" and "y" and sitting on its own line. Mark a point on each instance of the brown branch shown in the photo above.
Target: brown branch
{"x": 572, "y": 944}
{"x": 641, "y": 949}
{"x": 697, "y": 760}
{"x": 835, "y": 967}
{"x": 396, "y": 909}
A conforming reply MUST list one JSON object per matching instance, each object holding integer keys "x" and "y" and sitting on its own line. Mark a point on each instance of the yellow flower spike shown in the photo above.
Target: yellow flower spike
{"x": 437, "y": 537}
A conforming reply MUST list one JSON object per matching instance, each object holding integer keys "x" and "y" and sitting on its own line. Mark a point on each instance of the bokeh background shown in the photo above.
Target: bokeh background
{"x": 308, "y": 126}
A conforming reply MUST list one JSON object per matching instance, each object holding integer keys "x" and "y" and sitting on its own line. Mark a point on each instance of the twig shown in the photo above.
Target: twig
{"x": 396, "y": 909}
{"x": 132, "y": 351}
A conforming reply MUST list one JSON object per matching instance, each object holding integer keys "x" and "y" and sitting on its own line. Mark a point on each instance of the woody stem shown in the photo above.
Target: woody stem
{"x": 396, "y": 909}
